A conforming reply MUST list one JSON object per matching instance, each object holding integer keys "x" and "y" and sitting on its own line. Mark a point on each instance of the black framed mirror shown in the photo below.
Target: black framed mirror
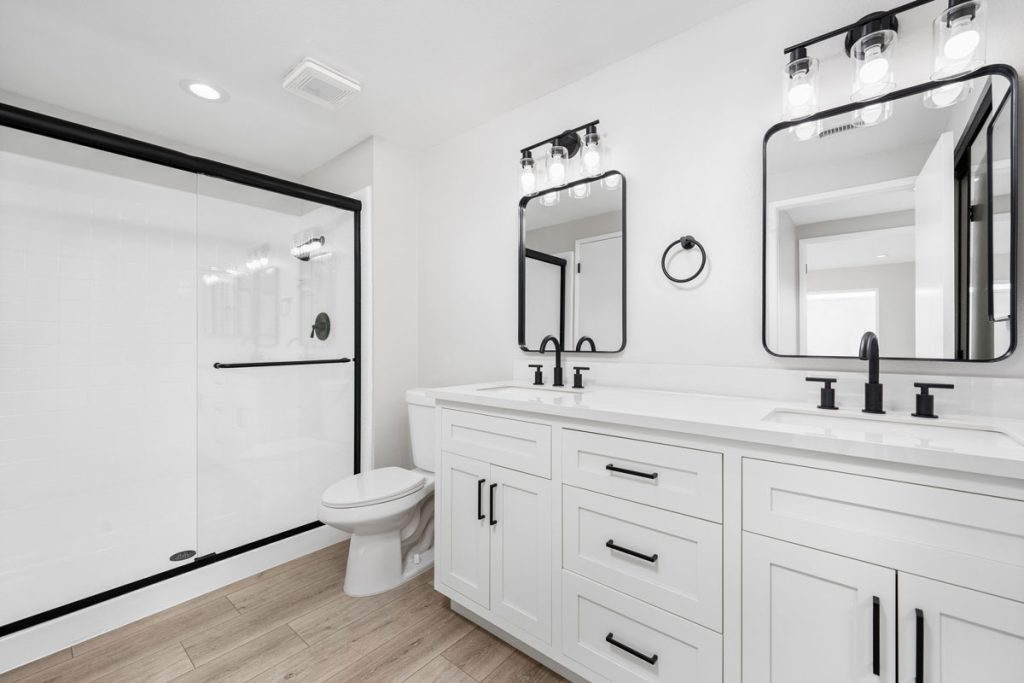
{"x": 572, "y": 265}
{"x": 897, "y": 215}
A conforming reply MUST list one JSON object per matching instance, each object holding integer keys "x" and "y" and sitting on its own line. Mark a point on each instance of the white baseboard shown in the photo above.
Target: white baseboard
{"x": 55, "y": 635}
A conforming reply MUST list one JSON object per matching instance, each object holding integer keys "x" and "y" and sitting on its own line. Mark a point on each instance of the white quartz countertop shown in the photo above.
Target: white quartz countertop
{"x": 993, "y": 447}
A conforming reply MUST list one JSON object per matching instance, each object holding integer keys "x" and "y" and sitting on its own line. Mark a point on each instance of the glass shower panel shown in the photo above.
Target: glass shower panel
{"x": 97, "y": 371}
{"x": 271, "y": 439}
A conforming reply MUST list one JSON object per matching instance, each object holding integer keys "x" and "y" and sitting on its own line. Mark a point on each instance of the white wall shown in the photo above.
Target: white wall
{"x": 390, "y": 256}
{"x": 685, "y": 120}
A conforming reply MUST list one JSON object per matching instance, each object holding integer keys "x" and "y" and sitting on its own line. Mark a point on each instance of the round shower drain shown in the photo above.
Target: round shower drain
{"x": 183, "y": 555}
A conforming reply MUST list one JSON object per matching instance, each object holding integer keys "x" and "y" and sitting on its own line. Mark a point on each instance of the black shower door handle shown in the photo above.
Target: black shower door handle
{"x": 650, "y": 659}
{"x": 480, "y": 499}
{"x": 493, "y": 520}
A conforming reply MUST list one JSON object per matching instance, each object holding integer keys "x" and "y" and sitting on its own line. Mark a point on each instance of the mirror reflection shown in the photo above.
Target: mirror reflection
{"x": 903, "y": 227}
{"x": 572, "y": 267}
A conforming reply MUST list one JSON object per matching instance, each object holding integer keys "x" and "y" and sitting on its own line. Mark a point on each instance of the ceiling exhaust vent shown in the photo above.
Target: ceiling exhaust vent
{"x": 319, "y": 83}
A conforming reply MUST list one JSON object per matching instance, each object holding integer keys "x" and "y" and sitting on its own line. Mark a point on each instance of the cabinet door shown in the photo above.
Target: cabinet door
{"x": 810, "y": 616}
{"x": 464, "y": 558}
{"x": 521, "y": 572}
{"x": 948, "y": 633}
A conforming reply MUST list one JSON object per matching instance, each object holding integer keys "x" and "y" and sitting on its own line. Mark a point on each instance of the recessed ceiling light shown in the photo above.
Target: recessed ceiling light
{"x": 204, "y": 91}
{"x": 882, "y": 256}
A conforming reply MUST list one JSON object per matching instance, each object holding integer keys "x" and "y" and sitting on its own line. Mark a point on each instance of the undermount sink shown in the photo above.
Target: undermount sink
{"x": 942, "y": 435}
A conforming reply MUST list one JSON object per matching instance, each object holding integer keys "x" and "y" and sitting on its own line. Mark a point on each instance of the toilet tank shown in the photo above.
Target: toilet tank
{"x": 422, "y": 428}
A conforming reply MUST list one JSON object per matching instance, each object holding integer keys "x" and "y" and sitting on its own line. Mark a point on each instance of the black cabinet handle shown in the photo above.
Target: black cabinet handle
{"x": 621, "y": 470}
{"x": 919, "y": 646}
{"x": 480, "y": 499}
{"x": 650, "y": 558}
{"x": 650, "y": 659}
{"x": 876, "y": 644}
{"x": 493, "y": 520}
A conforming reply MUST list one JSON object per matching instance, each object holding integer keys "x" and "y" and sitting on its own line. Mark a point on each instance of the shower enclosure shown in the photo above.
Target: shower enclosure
{"x": 179, "y": 362}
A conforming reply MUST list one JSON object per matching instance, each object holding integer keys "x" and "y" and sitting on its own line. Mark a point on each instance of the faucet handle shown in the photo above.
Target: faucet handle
{"x": 925, "y": 401}
{"x": 538, "y": 374}
{"x": 828, "y": 394}
{"x": 577, "y": 378}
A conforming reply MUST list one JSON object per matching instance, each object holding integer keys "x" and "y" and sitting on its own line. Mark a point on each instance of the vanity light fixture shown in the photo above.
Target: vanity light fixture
{"x": 870, "y": 43}
{"x": 563, "y": 147}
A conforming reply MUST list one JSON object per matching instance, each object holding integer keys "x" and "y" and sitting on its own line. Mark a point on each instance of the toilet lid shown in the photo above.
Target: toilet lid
{"x": 375, "y": 486}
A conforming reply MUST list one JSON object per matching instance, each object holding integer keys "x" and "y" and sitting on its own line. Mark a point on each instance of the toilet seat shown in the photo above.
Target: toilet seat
{"x": 375, "y": 486}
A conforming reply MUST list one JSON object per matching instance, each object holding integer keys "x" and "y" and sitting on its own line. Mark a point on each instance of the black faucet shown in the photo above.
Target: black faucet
{"x": 872, "y": 388}
{"x": 558, "y": 358}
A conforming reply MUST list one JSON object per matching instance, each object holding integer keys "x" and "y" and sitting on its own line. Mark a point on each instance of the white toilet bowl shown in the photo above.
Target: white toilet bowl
{"x": 389, "y": 512}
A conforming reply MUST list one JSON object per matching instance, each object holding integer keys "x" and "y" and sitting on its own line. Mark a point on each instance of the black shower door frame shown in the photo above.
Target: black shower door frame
{"x": 78, "y": 134}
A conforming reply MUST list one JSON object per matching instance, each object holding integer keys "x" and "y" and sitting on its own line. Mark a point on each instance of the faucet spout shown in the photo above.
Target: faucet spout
{"x": 872, "y": 388}
{"x": 552, "y": 339}
{"x": 869, "y": 352}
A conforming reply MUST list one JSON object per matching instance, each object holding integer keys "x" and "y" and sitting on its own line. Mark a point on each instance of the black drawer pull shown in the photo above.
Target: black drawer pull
{"x": 650, "y": 558}
{"x": 493, "y": 520}
{"x": 650, "y": 659}
{"x": 876, "y": 644}
{"x": 919, "y": 647}
{"x": 480, "y": 499}
{"x": 621, "y": 470}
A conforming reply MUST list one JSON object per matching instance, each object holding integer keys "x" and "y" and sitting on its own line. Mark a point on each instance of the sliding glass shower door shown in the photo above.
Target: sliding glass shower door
{"x": 271, "y": 437}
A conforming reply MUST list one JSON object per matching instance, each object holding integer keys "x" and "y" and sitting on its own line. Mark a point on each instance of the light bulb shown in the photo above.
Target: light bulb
{"x": 550, "y": 199}
{"x": 875, "y": 67}
{"x": 528, "y": 181}
{"x": 871, "y": 115}
{"x": 592, "y": 160}
{"x": 557, "y": 159}
{"x": 800, "y": 94}
{"x": 581, "y": 191}
{"x": 962, "y": 43}
{"x": 611, "y": 181}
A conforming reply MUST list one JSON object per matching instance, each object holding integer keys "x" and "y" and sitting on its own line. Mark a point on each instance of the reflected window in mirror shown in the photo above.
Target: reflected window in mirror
{"x": 572, "y": 265}
{"x": 905, "y": 226}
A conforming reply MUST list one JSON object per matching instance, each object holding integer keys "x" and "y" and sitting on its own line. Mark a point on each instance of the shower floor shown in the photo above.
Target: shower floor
{"x": 292, "y": 622}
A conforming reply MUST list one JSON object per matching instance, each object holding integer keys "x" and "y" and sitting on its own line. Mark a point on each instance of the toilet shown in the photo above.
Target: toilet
{"x": 389, "y": 512}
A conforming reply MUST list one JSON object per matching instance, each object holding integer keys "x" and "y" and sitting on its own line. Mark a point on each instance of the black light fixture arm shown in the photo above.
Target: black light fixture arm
{"x": 850, "y": 27}
{"x": 557, "y": 138}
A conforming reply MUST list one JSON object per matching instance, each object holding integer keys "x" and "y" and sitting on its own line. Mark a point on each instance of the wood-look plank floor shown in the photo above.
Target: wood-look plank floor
{"x": 293, "y": 623}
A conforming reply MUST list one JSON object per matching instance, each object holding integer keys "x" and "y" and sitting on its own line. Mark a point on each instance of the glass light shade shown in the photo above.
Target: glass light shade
{"x": 800, "y": 88}
{"x": 872, "y": 114}
{"x": 591, "y": 154}
{"x": 611, "y": 182}
{"x": 550, "y": 199}
{"x": 558, "y": 165}
{"x": 872, "y": 58}
{"x": 959, "y": 39}
{"x": 947, "y": 95}
{"x": 806, "y": 131}
{"x": 527, "y": 175}
{"x": 581, "y": 191}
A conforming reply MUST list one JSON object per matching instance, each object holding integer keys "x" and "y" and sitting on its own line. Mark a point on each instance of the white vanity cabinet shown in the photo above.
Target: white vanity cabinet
{"x": 494, "y": 536}
{"x": 629, "y": 551}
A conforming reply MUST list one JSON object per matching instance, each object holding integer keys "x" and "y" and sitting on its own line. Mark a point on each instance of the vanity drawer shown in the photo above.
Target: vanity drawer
{"x": 594, "y": 616}
{"x": 681, "y": 570}
{"x": 675, "y": 478}
{"x": 515, "y": 444}
{"x": 963, "y": 538}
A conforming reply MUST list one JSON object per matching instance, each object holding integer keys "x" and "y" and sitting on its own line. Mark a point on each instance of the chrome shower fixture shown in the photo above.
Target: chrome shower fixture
{"x": 305, "y": 250}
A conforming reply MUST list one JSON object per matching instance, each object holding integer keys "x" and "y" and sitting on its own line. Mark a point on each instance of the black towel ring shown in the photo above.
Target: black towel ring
{"x": 686, "y": 242}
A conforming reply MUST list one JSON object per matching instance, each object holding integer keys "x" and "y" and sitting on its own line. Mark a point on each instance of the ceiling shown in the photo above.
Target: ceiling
{"x": 429, "y": 70}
